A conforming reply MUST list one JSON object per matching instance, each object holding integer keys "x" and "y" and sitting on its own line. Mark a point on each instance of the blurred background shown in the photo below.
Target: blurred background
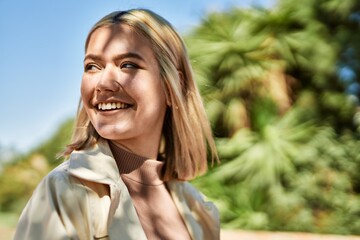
{"x": 281, "y": 85}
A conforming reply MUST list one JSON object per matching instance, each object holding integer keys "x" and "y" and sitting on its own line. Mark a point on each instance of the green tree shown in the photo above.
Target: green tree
{"x": 282, "y": 114}
{"x": 20, "y": 176}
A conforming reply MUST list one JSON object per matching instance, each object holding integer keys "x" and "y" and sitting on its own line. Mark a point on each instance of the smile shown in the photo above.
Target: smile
{"x": 112, "y": 106}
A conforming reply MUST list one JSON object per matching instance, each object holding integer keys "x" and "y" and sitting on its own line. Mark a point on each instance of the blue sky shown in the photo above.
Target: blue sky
{"x": 41, "y": 53}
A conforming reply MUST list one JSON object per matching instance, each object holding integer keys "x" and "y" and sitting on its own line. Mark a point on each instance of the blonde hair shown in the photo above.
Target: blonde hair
{"x": 186, "y": 131}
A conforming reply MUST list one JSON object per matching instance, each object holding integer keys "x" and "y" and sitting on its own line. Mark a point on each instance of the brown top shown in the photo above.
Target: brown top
{"x": 157, "y": 212}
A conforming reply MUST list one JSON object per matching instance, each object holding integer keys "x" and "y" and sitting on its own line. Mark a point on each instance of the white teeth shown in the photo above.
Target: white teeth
{"x": 109, "y": 106}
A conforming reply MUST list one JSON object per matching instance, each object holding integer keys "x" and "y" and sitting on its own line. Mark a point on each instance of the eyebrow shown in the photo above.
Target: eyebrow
{"x": 117, "y": 57}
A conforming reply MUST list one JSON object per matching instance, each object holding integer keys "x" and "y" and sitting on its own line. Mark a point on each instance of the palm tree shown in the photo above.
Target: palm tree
{"x": 276, "y": 101}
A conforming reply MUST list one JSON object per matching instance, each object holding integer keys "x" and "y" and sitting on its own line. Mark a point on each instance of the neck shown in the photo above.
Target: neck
{"x": 147, "y": 149}
{"x": 137, "y": 168}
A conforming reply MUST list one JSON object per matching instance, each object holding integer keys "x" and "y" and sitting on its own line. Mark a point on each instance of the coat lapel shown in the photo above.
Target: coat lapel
{"x": 98, "y": 165}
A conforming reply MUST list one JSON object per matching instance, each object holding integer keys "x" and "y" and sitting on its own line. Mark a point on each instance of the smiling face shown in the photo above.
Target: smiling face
{"x": 121, "y": 89}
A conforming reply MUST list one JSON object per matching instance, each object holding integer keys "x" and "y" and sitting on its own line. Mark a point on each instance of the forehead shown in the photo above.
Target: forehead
{"x": 119, "y": 37}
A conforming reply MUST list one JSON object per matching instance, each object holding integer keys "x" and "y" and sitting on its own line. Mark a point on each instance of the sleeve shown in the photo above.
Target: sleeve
{"x": 56, "y": 210}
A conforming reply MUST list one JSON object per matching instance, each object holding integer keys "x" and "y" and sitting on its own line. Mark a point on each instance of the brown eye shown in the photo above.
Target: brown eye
{"x": 91, "y": 68}
{"x": 129, "y": 65}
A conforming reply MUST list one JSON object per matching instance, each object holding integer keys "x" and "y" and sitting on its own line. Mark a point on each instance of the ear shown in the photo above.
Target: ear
{"x": 168, "y": 102}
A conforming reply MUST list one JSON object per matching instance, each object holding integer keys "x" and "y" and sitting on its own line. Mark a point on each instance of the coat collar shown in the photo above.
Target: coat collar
{"x": 96, "y": 164}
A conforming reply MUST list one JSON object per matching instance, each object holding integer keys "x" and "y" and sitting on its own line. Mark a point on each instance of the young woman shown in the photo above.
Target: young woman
{"x": 141, "y": 132}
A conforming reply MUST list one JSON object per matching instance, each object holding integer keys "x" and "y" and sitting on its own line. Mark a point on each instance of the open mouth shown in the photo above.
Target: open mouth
{"x": 112, "y": 106}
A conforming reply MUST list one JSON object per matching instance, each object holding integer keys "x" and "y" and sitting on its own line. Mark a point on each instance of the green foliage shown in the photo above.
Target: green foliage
{"x": 56, "y": 144}
{"x": 287, "y": 129}
{"x": 20, "y": 177}
{"x": 293, "y": 178}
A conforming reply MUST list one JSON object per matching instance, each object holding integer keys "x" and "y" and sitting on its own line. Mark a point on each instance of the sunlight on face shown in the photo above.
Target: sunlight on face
{"x": 121, "y": 89}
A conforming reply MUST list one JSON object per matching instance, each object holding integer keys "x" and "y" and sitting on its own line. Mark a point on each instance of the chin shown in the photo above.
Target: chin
{"x": 111, "y": 132}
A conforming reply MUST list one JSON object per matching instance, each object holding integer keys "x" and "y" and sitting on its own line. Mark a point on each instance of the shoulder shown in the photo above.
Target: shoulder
{"x": 58, "y": 175}
{"x": 196, "y": 209}
{"x": 193, "y": 196}
{"x": 58, "y": 192}
{"x": 56, "y": 209}
{"x": 58, "y": 184}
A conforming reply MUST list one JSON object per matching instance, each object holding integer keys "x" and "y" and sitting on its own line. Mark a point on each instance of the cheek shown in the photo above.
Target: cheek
{"x": 86, "y": 90}
{"x": 155, "y": 104}
{"x": 161, "y": 95}
{"x": 155, "y": 92}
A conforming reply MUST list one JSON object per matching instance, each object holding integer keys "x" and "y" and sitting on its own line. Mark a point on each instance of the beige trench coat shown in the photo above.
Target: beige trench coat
{"x": 85, "y": 198}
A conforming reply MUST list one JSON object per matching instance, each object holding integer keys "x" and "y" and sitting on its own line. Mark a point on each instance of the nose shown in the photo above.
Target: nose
{"x": 108, "y": 80}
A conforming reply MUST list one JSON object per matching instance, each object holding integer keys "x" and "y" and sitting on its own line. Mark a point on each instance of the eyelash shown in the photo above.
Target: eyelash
{"x": 126, "y": 65}
{"x": 89, "y": 66}
{"x": 132, "y": 65}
